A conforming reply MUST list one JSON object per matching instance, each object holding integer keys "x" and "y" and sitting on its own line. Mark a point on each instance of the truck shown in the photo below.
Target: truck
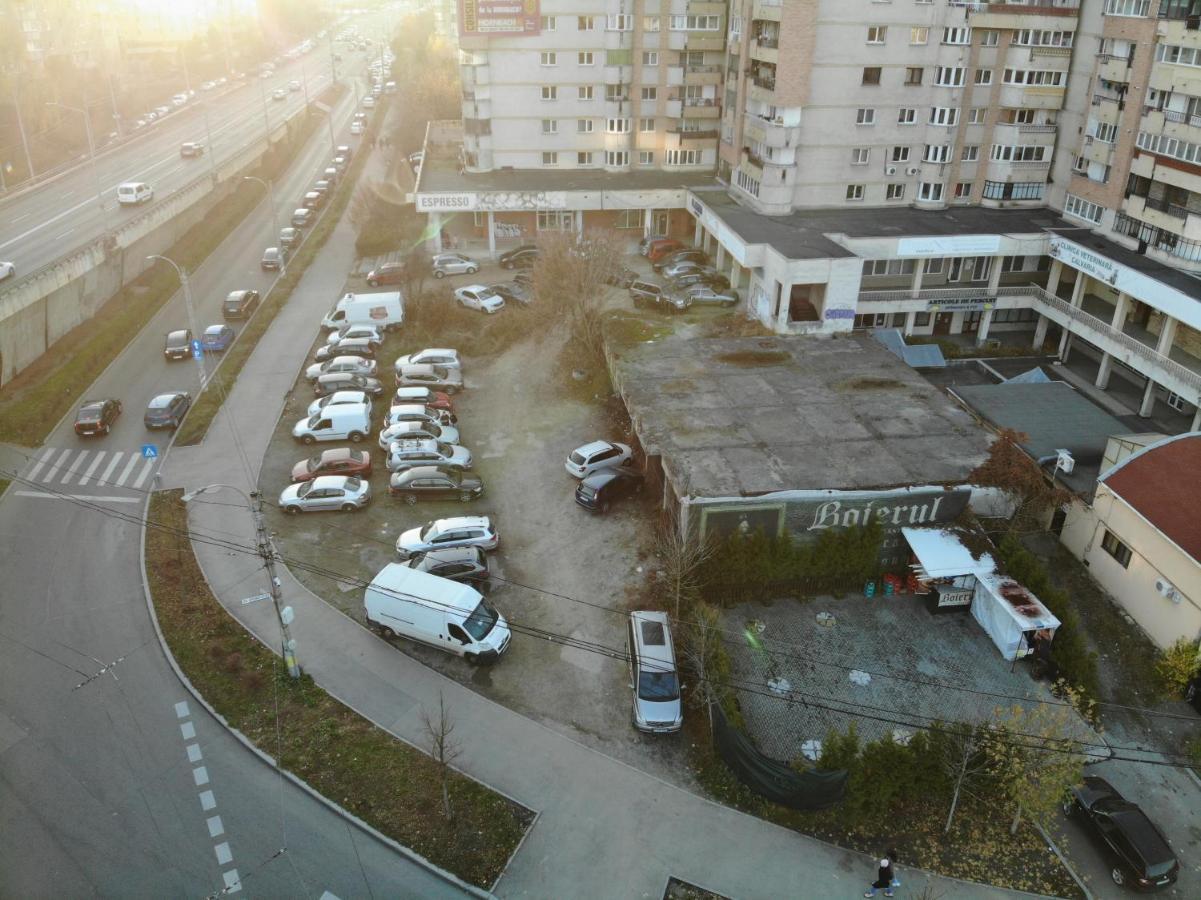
{"x": 438, "y": 612}
{"x": 383, "y": 308}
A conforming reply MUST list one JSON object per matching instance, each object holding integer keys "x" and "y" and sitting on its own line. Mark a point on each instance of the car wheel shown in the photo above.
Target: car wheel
{"x": 307, "y": 440}
{"x": 292, "y": 510}
{"x": 1118, "y": 876}
{"x": 438, "y": 273}
{"x": 348, "y": 507}
{"x": 471, "y": 270}
{"x": 372, "y": 283}
{"x": 728, "y": 303}
{"x": 410, "y": 499}
{"x": 386, "y": 633}
{"x": 355, "y": 437}
{"x": 604, "y": 507}
{"x": 1068, "y": 805}
{"x": 465, "y": 497}
{"x": 507, "y": 265}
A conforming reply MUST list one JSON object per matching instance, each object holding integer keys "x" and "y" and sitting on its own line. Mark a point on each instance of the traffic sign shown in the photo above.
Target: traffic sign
{"x": 246, "y": 601}
{"x": 197, "y": 354}
{"x": 195, "y": 345}
{"x": 149, "y": 451}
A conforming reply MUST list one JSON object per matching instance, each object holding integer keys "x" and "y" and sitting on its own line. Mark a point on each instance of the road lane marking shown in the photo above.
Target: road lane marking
{"x": 216, "y": 827}
{"x": 181, "y": 710}
{"x": 207, "y": 801}
{"x": 33, "y": 473}
{"x": 108, "y": 470}
{"x": 188, "y": 730}
{"x": 74, "y": 470}
{"x": 145, "y": 471}
{"x": 194, "y": 754}
{"x": 133, "y": 458}
{"x": 19, "y": 218}
{"x": 224, "y": 857}
{"x": 87, "y": 476}
{"x": 200, "y": 775}
{"x": 43, "y": 495}
{"x": 233, "y": 883}
{"x": 54, "y": 468}
{"x": 67, "y": 195}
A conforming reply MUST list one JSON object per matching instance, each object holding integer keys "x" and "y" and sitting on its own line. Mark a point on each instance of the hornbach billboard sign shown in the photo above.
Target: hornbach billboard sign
{"x": 485, "y": 17}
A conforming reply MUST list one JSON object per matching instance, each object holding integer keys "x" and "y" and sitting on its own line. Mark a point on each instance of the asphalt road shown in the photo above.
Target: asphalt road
{"x": 41, "y": 226}
{"x": 113, "y": 782}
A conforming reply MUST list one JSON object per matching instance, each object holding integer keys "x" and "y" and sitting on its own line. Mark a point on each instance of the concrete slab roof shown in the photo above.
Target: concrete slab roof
{"x": 441, "y": 173}
{"x": 745, "y": 416}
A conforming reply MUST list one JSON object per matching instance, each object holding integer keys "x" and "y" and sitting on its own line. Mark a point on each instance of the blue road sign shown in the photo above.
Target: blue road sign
{"x": 149, "y": 451}
{"x": 197, "y": 354}
{"x": 195, "y": 346}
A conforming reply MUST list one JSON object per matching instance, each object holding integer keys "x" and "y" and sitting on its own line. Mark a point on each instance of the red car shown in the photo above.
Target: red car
{"x": 97, "y": 417}
{"x": 339, "y": 461}
{"x": 388, "y": 273}
{"x": 660, "y": 248}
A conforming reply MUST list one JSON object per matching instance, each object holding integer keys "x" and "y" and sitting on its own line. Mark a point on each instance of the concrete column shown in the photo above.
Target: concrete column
{"x": 696, "y": 233}
{"x": 436, "y": 227}
{"x": 1040, "y": 332}
{"x": 994, "y": 275}
{"x": 919, "y": 270}
{"x": 720, "y": 259}
{"x": 985, "y": 324}
{"x": 491, "y": 237}
{"x": 648, "y": 220}
{"x": 910, "y": 322}
{"x": 579, "y": 221}
{"x": 1053, "y": 277}
{"x": 1065, "y": 346}
{"x": 1078, "y": 289}
{"x": 1103, "y": 371}
{"x": 735, "y": 273}
{"x": 1167, "y": 334}
{"x": 1148, "y": 403}
{"x": 1120, "y": 310}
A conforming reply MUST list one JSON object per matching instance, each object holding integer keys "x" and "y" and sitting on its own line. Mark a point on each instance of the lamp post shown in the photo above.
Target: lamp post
{"x": 266, "y": 550}
{"x": 87, "y": 124}
{"x": 270, "y": 186}
{"x": 187, "y": 302}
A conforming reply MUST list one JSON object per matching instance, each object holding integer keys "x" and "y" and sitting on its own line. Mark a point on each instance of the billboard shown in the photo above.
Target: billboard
{"x": 485, "y": 17}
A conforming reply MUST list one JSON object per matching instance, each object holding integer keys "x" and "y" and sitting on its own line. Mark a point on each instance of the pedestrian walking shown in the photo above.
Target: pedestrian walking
{"x": 886, "y": 878}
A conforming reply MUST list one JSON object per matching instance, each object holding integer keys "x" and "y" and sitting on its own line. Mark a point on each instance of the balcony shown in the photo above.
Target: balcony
{"x": 765, "y": 50}
{"x": 702, "y": 74}
{"x": 767, "y": 10}
{"x": 705, "y": 40}
{"x": 1159, "y": 239}
{"x": 701, "y": 108}
{"x": 685, "y": 135}
{"x": 772, "y": 132}
{"x": 1113, "y": 68}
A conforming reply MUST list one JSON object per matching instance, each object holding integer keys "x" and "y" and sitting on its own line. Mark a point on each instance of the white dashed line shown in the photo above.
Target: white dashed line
{"x": 188, "y": 730}
{"x": 194, "y": 754}
{"x": 233, "y": 883}
{"x": 216, "y": 828}
{"x": 224, "y": 857}
{"x": 181, "y": 710}
{"x": 200, "y": 775}
{"x": 208, "y": 802}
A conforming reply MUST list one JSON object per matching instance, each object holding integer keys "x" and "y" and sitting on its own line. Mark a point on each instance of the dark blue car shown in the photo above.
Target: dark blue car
{"x": 217, "y": 338}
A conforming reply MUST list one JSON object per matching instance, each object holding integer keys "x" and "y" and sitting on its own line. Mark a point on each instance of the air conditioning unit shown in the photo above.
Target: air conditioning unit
{"x": 1065, "y": 463}
{"x": 1166, "y": 589}
{"x": 912, "y": 170}
{"x": 890, "y": 170}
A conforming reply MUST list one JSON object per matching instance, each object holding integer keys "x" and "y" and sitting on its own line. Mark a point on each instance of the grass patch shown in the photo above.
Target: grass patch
{"x": 632, "y": 328}
{"x": 434, "y": 318}
{"x": 382, "y": 780}
{"x": 4, "y": 483}
{"x": 41, "y": 394}
{"x": 868, "y": 383}
{"x": 749, "y": 359}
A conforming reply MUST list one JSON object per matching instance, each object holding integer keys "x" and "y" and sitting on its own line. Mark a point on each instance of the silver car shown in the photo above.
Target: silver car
{"x": 701, "y": 295}
{"x": 350, "y": 365}
{"x": 411, "y": 428}
{"x": 680, "y": 268}
{"x": 457, "y": 531}
{"x": 345, "y": 492}
{"x": 338, "y": 398}
{"x": 418, "y": 412}
{"x": 453, "y": 264}
{"x": 434, "y": 377}
{"x": 423, "y": 452}
{"x": 355, "y": 332}
{"x": 431, "y": 356}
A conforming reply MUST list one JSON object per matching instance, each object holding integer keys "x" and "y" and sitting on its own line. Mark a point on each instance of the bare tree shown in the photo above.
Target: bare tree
{"x": 963, "y": 761}
{"x": 700, "y": 651}
{"x": 683, "y": 554}
{"x": 1011, "y": 469}
{"x": 444, "y": 748}
{"x": 571, "y": 277}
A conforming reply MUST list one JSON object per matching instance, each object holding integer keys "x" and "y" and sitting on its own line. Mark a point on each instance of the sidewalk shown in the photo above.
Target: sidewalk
{"x": 604, "y": 829}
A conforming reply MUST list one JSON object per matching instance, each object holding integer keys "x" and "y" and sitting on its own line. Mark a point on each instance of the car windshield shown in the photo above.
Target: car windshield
{"x": 658, "y": 686}
{"x": 303, "y": 490}
{"x": 577, "y": 457}
{"x": 314, "y": 463}
{"x": 586, "y": 490}
{"x": 162, "y": 401}
{"x": 428, "y": 531}
{"x": 353, "y": 483}
{"x": 91, "y": 412}
{"x": 314, "y": 419}
{"x": 480, "y": 622}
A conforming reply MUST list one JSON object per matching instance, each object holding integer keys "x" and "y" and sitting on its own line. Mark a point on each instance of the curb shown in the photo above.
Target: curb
{"x": 1063, "y": 860}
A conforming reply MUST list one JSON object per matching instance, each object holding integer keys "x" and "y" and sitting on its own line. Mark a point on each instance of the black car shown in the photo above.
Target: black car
{"x": 434, "y": 483}
{"x": 361, "y": 347}
{"x": 346, "y": 381}
{"x": 521, "y": 258}
{"x": 706, "y": 276}
{"x": 599, "y": 490}
{"x": 97, "y": 417}
{"x": 239, "y": 304}
{"x": 1140, "y": 855}
{"x": 456, "y": 563}
{"x": 692, "y": 254}
{"x": 517, "y": 291}
{"x": 167, "y": 410}
{"x": 179, "y": 344}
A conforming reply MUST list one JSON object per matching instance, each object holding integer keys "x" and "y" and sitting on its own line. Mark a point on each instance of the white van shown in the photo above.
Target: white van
{"x": 349, "y": 421}
{"x": 384, "y": 309}
{"x": 436, "y": 611}
{"x": 132, "y": 193}
{"x": 653, "y": 677}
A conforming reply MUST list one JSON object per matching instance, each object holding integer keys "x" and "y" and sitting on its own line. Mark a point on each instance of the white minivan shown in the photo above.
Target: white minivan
{"x": 132, "y": 193}
{"x": 436, "y": 611}
{"x": 344, "y": 422}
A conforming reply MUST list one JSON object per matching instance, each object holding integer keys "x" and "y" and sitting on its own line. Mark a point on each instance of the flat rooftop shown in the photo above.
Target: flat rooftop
{"x": 746, "y": 416}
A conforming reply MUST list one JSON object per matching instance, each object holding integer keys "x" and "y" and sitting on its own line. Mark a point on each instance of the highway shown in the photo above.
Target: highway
{"x": 114, "y": 782}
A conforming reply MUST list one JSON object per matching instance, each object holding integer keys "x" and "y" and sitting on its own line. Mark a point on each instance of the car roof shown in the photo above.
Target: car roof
{"x": 594, "y": 447}
{"x": 216, "y": 329}
{"x": 422, "y": 472}
{"x": 441, "y": 351}
{"x": 324, "y": 481}
{"x": 1144, "y": 837}
{"x": 236, "y": 295}
{"x": 161, "y": 400}
{"x": 414, "y": 390}
{"x": 451, "y": 554}
{"x": 346, "y": 397}
{"x": 453, "y": 522}
{"x": 406, "y": 408}
{"x": 601, "y": 477}
{"x": 653, "y": 634}
{"x": 178, "y": 335}
{"x": 475, "y": 287}
{"x": 416, "y": 444}
{"x": 417, "y": 369}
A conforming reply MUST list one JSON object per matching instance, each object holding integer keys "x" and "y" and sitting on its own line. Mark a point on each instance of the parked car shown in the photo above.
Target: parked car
{"x": 273, "y": 259}
{"x": 604, "y": 487}
{"x": 289, "y": 237}
{"x": 388, "y": 273}
{"x": 338, "y": 398}
{"x": 347, "y": 381}
{"x": 679, "y": 267}
{"x": 363, "y": 348}
{"x": 239, "y": 304}
{"x": 704, "y": 276}
{"x": 355, "y": 331}
{"x": 587, "y": 459}
{"x": 690, "y": 254}
{"x": 353, "y": 365}
{"x": 96, "y": 417}
{"x": 457, "y": 531}
{"x": 415, "y": 412}
{"x": 1140, "y": 855}
{"x": 424, "y": 396}
{"x": 620, "y": 277}
{"x": 335, "y": 461}
{"x": 167, "y": 410}
{"x": 190, "y": 149}
{"x": 513, "y": 290}
{"x": 426, "y": 452}
{"x": 302, "y": 218}
{"x": 468, "y": 564}
{"x": 656, "y": 246}
{"x": 449, "y": 381}
{"x": 312, "y": 200}
{"x": 453, "y": 264}
{"x": 519, "y": 258}
{"x": 434, "y": 483}
{"x": 417, "y": 429}
{"x": 703, "y": 295}
{"x": 343, "y": 422}
{"x": 347, "y": 493}
{"x": 653, "y": 677}
{"x": 431, "y": 356}
{"x": 477, "y": 296}
{"x": 646, "y": 293}
{"x": 525, "y": 278}
{"x": 217, "y": 338}
{"x": 178, "y": 344}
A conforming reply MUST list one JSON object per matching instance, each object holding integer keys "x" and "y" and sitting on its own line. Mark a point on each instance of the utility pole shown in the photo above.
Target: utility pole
{"x": 267, "y": 551}
{"x": 21, "y": 126}
{"x": 87, "y": 125}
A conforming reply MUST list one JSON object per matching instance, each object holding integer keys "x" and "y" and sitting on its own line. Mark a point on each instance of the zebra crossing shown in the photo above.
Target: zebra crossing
{"x": 66, "y": 472}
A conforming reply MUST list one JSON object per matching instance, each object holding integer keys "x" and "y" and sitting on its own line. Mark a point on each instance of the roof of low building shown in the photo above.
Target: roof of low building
{"x": 1162, "y": 484}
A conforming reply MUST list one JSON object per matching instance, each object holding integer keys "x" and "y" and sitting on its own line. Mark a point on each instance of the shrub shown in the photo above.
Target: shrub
{"x": 1178, "y": 665}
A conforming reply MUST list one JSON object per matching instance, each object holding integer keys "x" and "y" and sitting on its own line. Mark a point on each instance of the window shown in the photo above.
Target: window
{"x": 865, "y": 116}
{"x": 585, "y": 58}
{"x": 584, "y": 92}
{"x": 871, "y": 75}
{"x": 694, "y": 23}
{"x": 1130, "y": 8}
{"x": 930, "y": 191}
{"x": 683, "y": 157}
{"x": 963, "y": 190}
{"x": 1044, "y": 77}
{"x": 944, "y": 115}
{"x": 854, "y": 192}
{"x": 583, "y": 126}
{"x": 547, "y": 23}
{"x": 990, "y": 38}
{"x": 555, "y": 220}
{"x": 1115, "y": 548}
{"x": 550, "y": 159}
{"x": 1017, "y": 190}
{"x": 960, "y": 35}
{"x": 1019, "y": 152}
{"x": 919, "y": 35}
{"x": 937, "y": 153}
{"x": 1080, "y": 208}
{"x": 550, "y": 58}
{"x": 747, "y": 183}
{"x": 583, "y": 158}
{"x": 894, "y": 192}
{"x": 885, "y": 267}
{"x": 1103, "y": 131}
{"x": 630, "y": 218}
{"x": 650, "y": 23}
{"x": 617, "y": 158}
{"x": 1033, "y": 37}
{"x": 913, "y": 75}
{"x": 646, "y": 124}
{"x": 971, "y": 153}
{"x": 617, "y": 126}
{"x": 650, "y": 94}
{"x": 1169, "y": 146}
{"x": 1080, "y": 165}
{"x": 948, "y": 76}
{"x": 585, "y": 23}
{"x": 646, "y": 157}
{"x": 876, "y": 34}
{"x": 900, "y": 154}
{"x": 860, "y": 156}
{"x": 620, "y": 22}
{"x": 906, "y": 115}
{"x": 550, "y": 126}
{"x": 614, "y": 92}
{"x": 934, "y": 265}
{"x": 550, "y": 92}
{"x": 975, "y": 115}
{"x": 650, "y": 57}
{"x": 983, "y": 77}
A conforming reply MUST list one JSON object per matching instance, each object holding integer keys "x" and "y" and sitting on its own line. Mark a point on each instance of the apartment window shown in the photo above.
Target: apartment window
{"x": 975, "y": 115}
{"x": 900, "y": 154}
{"x": 615, "y": 92}
{"x": 1129, "y": 8}
{"x": 617, "y": 158}
{"x": 1016, "y": 190}
{"x": 864, "y": 116}
{"x": 550, "y": 92}
{"x": 983, "y": 77}
{"x": 861, "y": 156}
{"x": 919, "y": 34}
{"x": 876, "y": 34}
{"x": 960, "y": 35}
{"x": 971, "y": 153}
{"x": 550, "y": 126}
{"x": 683, "y": 157}
{"x": 550, "y": 159}
{"x": 585, "y": 58}
{"x": 913, "y": 75}
{"x": 1080, "y": 165}
{"x": 1019, "y": 152}
{"x": 944, "y": 115}
{"x": 583, "y": 126}
{"x": 585, "y": 23}
{"x": 547, "y": 23}
{"x": 584, "y": 92}
{"x": 1115, "y": 548}
{"x": 747, "y": 183}
{"x": 617, "y": 126}
{"x": 990, "y": 38}
{"x": 1103, "y": 131}
{"x": 1083, "y": 209}
{"x": 646, "y": 157}
{"x": 694, "y": 23}
{"x": 930, "y": 191}
{"x": 583, "y": 158}
{"x": 1168, "y": 146}
{"x": 650, "y": 94}
{"x": 620, "y": 22}
{"x": 888, "y": 267}
{"x": 948, "y": 76}
{"x": 934, "y": 265}
{"x": 650, "y": 57}
{"x": 1020, "y": 263}
{"x": 906, "y": 115}
{"x": 854, "y": 192}
{"x": 646, "y": 124}
{"x": 1034, "y": 37}
{"x": 1038, "y": 77}
{"x": 894, "y": 192}
{"x": 1018, "y": 116}
{"x": 871, "y": 75}
{"x": 650, "y": 23}
{"x": 556, "y": 220}
{"x": 550, "y": 58}
{"x": 937, "y": 153}
{"x": 963, "y": 190}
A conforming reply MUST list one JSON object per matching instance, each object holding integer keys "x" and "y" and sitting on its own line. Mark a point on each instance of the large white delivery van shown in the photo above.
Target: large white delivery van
{"x": 384, "y": 309}
{"x": 435, "y": 611}
{"x": 347, "y": 421}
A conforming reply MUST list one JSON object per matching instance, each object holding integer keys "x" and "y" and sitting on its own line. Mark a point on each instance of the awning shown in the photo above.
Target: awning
{"x": 1007, "y": 610}
{"x": 940, "y": 554}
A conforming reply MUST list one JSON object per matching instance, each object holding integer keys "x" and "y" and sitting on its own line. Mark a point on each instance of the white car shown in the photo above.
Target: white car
{"x": 431, "y": 356}
{"x": 417, "y": 412}
{"x": 7, "y": 270}
{"x": 337, "y": 398}
{"x": 457, "y": 531}
{"x": 478, "y": 296}
{"x": 453, "y": 264}
{"x": 344, "y": 492}
{"x": 368, "y": 102}
{"x": 587, "y": 459}
{"x": 353, "y": 332}
{"x": 293, "y": 85}
{"x": 356, "y": 127}
{"x": 352, "y": 365}
{"x": 417, "y": 430}
{"x": 426, "y": 452}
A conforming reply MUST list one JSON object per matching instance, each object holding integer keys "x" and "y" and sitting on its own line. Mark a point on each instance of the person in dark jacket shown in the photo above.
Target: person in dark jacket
{"x": 884, "y": 879}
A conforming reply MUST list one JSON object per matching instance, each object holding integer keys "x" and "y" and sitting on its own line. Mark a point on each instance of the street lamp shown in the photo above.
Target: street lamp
{"x": 270, "y": 186}
{"x": 254, "y": 502}
{"x": 187, "y": 302}
{"x": 87, "y": 124}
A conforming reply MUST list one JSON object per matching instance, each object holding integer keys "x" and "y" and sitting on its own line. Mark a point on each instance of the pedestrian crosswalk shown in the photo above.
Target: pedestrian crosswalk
{"x": 116, "y": 475}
